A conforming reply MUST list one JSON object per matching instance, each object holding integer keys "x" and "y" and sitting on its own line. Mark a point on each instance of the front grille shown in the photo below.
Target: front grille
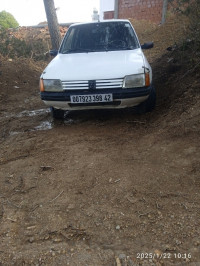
{"x": 100, "y": 84}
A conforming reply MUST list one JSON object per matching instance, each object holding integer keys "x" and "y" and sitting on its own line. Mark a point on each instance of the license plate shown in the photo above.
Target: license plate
{"x": 93, "y": 98}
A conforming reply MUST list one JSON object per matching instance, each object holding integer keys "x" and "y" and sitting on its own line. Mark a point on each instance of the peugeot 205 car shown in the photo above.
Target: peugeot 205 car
{"x": 99, "y": 65}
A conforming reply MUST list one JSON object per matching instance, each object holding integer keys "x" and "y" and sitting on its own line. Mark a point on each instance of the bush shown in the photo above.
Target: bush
{"x": 7, "y": 20}
{"x": 13, "y": 47}
{"x": 191, "y": 9}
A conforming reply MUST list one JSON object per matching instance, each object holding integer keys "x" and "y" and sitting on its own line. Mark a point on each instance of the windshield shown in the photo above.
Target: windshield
{"x": 99, "y": 37}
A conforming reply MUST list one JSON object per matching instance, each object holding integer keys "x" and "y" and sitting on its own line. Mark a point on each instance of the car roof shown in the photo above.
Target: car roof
{"x": 101, "y": 21}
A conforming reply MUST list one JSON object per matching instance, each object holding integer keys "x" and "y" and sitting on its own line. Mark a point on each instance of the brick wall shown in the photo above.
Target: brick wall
{"x": 108, "y": 15}
{"x": 141, "y": 9}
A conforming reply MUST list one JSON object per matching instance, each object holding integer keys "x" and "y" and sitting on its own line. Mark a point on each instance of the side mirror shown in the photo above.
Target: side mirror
{"x": 53, "y": 52}
{"x": 147, "y": 45}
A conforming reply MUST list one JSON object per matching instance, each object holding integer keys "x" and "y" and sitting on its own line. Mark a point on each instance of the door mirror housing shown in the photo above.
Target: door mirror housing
{"x": 147, "y": 45}
{"x": 53, "y": 52}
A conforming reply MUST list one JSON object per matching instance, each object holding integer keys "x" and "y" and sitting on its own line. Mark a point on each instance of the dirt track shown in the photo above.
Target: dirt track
{"x": 99, "y": 188}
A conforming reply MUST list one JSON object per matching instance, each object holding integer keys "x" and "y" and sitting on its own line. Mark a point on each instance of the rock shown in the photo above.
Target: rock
{"x": 117, "y": 227}
{"x": 56, "y": 240}
{"x": 46, "y": 168}
{"x": 131, "y": 263}
{"x": 123, "y": 259}
{"x": 122, "y": 256}
{"x": 178, "y": 242}
{"x": 31, "y": 239}
{"x": 118, "y": 262}
{"x": 31, "y": 227}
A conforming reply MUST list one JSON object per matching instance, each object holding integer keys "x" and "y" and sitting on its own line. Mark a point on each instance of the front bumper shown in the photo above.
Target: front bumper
{"x": 122, "y": 98}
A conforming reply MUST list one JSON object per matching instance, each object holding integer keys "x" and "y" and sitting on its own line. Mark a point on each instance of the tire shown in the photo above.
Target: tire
{"x": 149, "y": 104}
{"x": 57, "y": 113}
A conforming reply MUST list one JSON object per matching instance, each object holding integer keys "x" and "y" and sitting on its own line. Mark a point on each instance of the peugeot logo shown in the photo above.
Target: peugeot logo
{"x": 92, "y": 84}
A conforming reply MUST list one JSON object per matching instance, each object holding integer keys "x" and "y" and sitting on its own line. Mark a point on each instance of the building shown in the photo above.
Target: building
{"x": 150, "y": 10}
{"x": 107, "y": 9}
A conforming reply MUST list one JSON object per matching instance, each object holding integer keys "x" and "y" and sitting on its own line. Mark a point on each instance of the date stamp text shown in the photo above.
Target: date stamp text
{"x": 145, "y": 255}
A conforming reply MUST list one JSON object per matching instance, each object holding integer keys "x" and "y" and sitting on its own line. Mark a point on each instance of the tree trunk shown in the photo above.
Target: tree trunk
{"x": 164, "y": 11}
{"x": 52, "y": 23}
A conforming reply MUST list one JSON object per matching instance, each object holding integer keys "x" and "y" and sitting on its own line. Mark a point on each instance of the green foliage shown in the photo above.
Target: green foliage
{"x": 7, "y": 20}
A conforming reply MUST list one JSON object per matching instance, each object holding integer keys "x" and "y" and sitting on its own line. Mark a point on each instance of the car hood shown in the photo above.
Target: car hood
{"x": 95, "y": 65}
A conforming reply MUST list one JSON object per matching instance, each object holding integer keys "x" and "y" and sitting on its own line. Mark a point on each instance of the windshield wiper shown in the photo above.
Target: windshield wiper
{"x": 119, "y": 48}
{"x": 78, "y": 50}
{"x": 98, "y": 49}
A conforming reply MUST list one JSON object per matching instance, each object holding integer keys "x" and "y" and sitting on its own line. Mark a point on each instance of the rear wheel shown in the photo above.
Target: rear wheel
{"x": 57, "y": 113}
{"x": 149, "y": 104}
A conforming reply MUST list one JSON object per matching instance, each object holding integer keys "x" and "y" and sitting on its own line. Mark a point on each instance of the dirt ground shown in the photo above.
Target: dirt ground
{"x": 100, "y": 187}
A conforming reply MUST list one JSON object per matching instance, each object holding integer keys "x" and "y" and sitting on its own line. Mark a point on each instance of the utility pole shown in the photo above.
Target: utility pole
{"x": 116, "y": 9}
{"x": 164, "y": 11}
{"x": 52, "y": 23}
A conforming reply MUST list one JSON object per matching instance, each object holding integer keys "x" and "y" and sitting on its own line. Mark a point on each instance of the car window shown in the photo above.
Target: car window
{"x": 98, "y": 37}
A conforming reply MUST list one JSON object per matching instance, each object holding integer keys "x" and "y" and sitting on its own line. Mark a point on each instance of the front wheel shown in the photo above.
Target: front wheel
{"x": 149, "y": 104}
{"x": 57, "y": 113}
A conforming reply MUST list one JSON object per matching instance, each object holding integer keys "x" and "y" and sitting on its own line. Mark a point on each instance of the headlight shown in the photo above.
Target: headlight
{"x": 51, "y": 85}
{"x": 134, "y": 81}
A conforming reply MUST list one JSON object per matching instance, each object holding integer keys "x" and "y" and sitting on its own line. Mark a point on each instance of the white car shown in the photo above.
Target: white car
{"x": 99, "y": 65}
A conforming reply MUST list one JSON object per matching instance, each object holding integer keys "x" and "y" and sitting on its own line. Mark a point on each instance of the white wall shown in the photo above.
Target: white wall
{"x": 106, "y": 5}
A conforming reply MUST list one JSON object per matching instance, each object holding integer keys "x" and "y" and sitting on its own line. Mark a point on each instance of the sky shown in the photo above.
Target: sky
{"x": 32, "y": 12}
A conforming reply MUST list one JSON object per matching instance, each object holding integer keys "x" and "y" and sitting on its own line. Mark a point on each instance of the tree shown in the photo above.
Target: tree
{"x": 164, "y": 11}
{"x": 7, "y": 20}
{"x": 52, "y": 23}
